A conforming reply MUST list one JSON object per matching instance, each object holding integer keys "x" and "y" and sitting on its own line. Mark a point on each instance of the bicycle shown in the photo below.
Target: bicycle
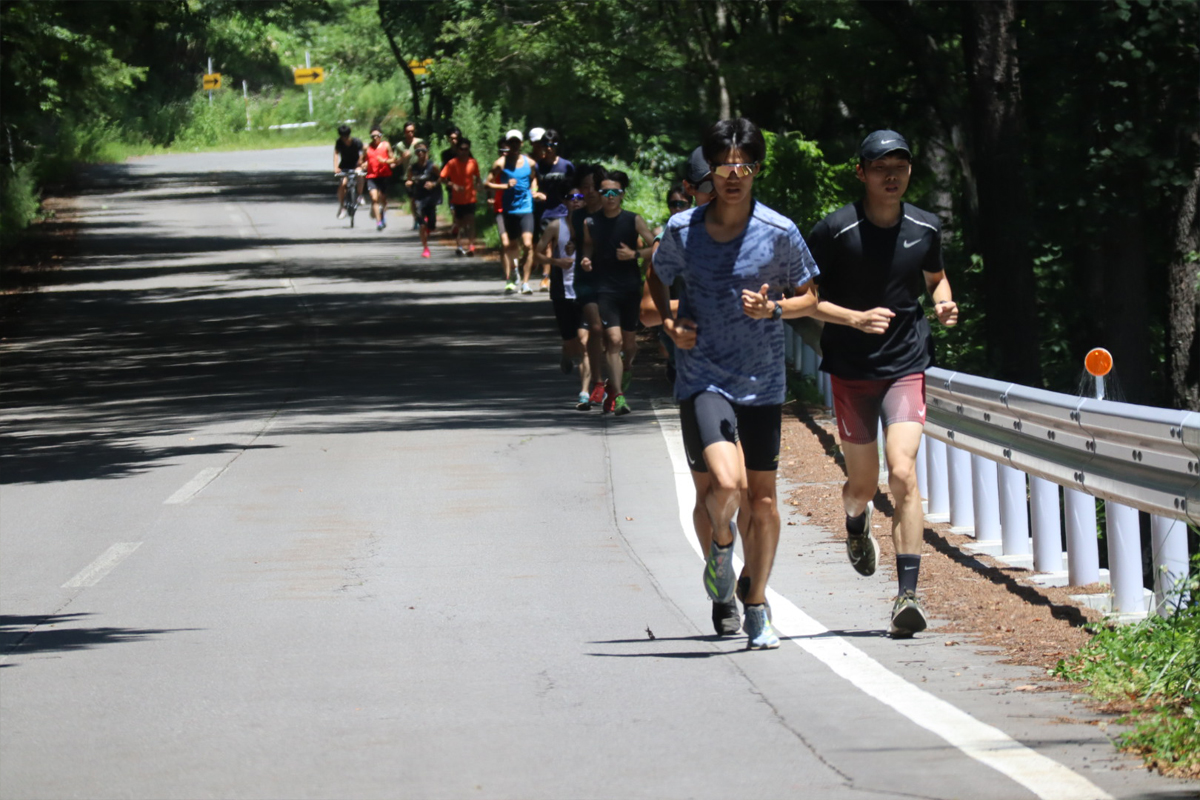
{"x": 351, "y": 201}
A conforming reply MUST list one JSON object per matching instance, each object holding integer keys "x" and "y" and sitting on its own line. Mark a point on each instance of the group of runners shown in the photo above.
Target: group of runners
{"x": 720, "y": 279}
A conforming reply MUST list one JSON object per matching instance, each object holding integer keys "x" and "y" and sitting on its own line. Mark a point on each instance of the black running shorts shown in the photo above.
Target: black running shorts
{"x": 380, "y": 183}
{"x": 463, "y": 210}
{"x": 517, "y": 224}
{"x": 620, "y": 309}
{"x": 708, "y": 418}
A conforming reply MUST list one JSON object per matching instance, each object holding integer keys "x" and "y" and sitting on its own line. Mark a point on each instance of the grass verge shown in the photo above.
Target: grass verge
{"x": 1150, "y": 673}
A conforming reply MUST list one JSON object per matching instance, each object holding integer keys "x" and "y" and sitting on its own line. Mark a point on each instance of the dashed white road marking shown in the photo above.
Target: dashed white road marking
{"x": 193, "y": 487}
{"x": 93, "y": 573}
{"x": 988, "y": 745}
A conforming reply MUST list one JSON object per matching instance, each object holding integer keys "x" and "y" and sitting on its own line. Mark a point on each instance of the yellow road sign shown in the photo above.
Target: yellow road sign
{"x": 309, "y": 75}
{"x": 420, "y": 67}
{"x": 212, "y": 81}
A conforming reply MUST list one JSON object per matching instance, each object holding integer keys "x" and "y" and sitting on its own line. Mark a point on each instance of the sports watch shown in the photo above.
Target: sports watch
{"x": 777, "y": 312}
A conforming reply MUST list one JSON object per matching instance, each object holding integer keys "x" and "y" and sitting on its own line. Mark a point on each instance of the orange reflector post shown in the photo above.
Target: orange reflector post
{"x": 1098, "y": 362}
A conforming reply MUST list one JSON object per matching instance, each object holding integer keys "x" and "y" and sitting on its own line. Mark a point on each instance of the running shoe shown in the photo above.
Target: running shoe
{"x": 379, "y": 226}
{"x": 584, "y": 403}
{"x": 510, "y": 287}
{"x": 545, "y": 285}
{"x": 743, "y": 589}
{"x": 718, "y": 573}
{"x": 862, "y": 548}
{"x": 620, "y": 406}
{"x": 907, "y": 617}
{"x": 425, "y": 253}
{"x": 598, "y": 394}
{"x": 626, "y": 379}
{"x": 458, "y": 251}
{"x": 726, "y": 619}
{"x": 471, "y": 251}
{"x": 342, "y": 212}
{"x": 760, "y": 632}
{"x": 610, "y": 400}
{"x": 525, "y": 289}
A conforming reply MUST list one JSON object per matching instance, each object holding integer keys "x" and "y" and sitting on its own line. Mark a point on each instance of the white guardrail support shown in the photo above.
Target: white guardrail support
{"x": 984, "y": 439}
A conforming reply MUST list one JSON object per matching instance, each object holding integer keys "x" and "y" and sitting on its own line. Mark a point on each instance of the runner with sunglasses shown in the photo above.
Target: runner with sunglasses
{"x": 745, "y": 268}
{"x": 610, "y": 249}
{"x": 587, "y": 178}
{"x": 556, "y": 250}
{"x": 877, "y": 255}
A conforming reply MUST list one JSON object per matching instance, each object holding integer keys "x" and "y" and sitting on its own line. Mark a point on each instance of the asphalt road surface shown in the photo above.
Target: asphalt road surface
{"x": 288, "y": 511}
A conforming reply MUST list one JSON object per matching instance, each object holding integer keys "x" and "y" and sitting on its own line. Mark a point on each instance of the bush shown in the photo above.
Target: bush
{"x": 1152, "y": 669}
{"x": 20, "y": 201}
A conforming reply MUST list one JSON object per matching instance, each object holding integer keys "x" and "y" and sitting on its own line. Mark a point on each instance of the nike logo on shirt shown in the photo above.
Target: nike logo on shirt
{"x": 908, "y": 244}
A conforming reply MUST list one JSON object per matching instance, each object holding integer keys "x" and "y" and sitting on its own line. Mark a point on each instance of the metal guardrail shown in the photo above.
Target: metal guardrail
{"x": 1143, "y": 457}
{"x": 995, "y": 453}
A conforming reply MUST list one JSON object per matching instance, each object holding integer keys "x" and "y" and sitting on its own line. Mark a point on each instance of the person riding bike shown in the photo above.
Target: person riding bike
{"x": 347, "y": 152}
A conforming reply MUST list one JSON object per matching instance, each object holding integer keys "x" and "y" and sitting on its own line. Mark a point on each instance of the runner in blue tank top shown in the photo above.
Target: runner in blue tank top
{"x": 518, "y": 186}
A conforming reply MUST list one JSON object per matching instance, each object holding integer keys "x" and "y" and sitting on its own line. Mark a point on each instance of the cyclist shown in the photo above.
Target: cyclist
{"x": 347, "y": 152}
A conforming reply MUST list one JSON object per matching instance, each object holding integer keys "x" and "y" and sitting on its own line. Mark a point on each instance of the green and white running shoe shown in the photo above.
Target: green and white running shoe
{"x": 621, "y": 406}
{"x": 719, "y": 578}
{"x": 759, "y": 630}
{"x": 862, "y": 548}
{"x": 907, "y": 617}
{"x": 510, "y": 288}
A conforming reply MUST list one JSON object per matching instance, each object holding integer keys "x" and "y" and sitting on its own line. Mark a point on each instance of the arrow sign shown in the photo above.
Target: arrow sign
{"x": 212, "y": 81}
{"x": 419, "y": 67}
{"x": 309, "y": 75}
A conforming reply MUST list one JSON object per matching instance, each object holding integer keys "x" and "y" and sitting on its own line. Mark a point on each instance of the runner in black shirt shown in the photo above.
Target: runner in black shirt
{"x": 877, "y": 257}
{"x": 424, "y": 184}
{"x": 347, "y": 152}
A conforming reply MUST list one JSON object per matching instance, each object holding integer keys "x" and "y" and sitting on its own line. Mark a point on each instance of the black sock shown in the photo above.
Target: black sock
{"x": 857, "y": 525}
{"x": 907, "y": 567}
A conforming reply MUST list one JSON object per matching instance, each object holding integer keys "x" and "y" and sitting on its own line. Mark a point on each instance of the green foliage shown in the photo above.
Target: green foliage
{"x": 1154, "y": 668}
{"x": 19, "y": 202}
{"x": 798, "y": 182}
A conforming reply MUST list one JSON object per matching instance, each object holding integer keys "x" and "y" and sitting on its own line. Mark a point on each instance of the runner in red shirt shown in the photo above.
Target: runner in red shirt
{"x": 461, "y": 174}
{"x": 378, "y": 158}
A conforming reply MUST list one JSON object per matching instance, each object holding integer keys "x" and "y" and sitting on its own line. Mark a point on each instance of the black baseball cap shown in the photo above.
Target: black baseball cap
{"x": 697, "y": 167}
{"x": 881, "y": 143}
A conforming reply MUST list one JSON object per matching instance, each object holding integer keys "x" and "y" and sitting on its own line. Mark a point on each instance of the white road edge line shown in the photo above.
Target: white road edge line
{"x": 1041, "y": 775}
{"x": 193, "y": 487}
{"x": 93, "y": 573}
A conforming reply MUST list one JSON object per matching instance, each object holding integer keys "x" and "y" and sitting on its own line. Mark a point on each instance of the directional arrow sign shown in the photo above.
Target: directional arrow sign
{"x": 212, "y": 81}
{"x": 419, "y": 67}
{"x": 309, "y": 75}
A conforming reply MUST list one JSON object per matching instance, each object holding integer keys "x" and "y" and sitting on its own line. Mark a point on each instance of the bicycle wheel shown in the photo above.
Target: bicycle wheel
{"x": 351, "y": 205}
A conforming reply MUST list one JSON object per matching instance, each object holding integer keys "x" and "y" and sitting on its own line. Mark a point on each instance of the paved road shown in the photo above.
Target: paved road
{"x": 288, "y": 511}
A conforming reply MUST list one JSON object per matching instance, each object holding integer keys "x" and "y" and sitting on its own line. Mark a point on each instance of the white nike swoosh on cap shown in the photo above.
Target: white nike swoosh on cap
{"x": 888, "y": 141}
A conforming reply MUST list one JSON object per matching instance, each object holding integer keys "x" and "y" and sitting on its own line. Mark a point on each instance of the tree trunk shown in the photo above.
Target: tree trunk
{"x": 1004, "y": 225}
{"x": 413, "y": 85}
{"x": 1183, "y": 298}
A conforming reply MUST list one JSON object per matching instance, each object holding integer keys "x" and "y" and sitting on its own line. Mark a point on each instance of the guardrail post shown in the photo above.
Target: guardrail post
{"x": 1083, "y": 548}
{"x": 1169, "y": 545}
{"x": 1047, "y": 536}
{"x": 962, "y": 509}
{"x": 1014, "y": 511}
{"x": 826, "y": 389}
{"x": 939, "y": 487}
{"x": 808, "y": 361}
{"x": 789, "y": 345}
{"x": 1124, "y": 558}
{"x": 985, "y": 498}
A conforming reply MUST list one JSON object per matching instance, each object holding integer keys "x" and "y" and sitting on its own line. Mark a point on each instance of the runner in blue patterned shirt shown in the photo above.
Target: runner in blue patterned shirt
{"x": 745, "y": 269}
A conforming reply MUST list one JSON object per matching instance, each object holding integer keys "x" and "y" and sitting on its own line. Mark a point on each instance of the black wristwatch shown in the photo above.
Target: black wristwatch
{"x": 777, "y": 312}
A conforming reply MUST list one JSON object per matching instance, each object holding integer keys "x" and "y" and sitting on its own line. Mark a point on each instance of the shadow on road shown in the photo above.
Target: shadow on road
{"x": 148, "y": 336}
{"x": 28, "y": 635}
